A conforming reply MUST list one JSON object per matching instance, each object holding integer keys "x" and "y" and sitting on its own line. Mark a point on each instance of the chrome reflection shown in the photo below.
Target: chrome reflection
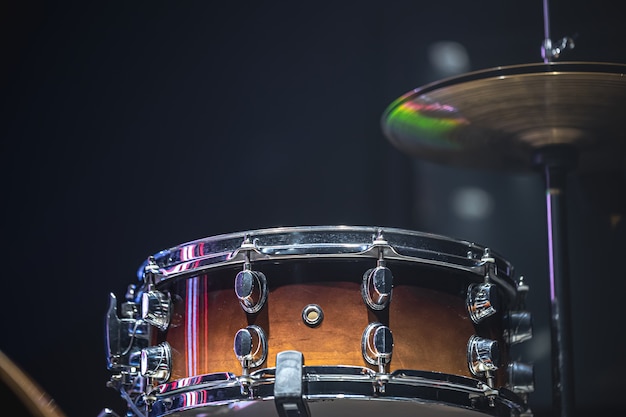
{"x": 326, "y": 383}
{"x": 156, "y": 362}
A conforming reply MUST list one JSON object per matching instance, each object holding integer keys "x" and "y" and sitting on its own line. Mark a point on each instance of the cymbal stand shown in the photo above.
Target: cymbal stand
{"x": 548, "y": 49}
{"x": 556, "y": 161}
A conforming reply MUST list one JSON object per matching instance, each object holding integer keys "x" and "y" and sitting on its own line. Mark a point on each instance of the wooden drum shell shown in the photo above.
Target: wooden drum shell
{"x": 427, "y": 316}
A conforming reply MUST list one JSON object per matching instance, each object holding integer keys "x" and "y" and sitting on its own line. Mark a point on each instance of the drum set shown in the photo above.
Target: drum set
{"x": 335, "y": 320}
{"x": 345, "y": 320}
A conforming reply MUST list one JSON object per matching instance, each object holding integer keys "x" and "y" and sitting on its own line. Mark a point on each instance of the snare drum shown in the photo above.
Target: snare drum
{"x": 317, "y": 320}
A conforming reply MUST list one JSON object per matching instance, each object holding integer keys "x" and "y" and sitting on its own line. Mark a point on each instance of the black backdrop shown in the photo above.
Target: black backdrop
{"x": 130, "y": 127}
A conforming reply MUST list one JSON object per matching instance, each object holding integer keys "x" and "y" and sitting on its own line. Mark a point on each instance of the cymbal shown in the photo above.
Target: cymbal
{"x": 497, "y": 118}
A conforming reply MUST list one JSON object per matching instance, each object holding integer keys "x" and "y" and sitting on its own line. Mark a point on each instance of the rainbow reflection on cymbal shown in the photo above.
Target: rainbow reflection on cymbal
{"x": 430, "y": 124}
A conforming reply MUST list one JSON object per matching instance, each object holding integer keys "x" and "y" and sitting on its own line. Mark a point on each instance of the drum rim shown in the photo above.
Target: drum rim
{"x": 208, "y": 390}
{"x": 192, "y": 258}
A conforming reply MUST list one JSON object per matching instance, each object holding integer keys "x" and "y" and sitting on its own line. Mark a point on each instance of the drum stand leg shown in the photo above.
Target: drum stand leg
{"x": 556, "y": 161}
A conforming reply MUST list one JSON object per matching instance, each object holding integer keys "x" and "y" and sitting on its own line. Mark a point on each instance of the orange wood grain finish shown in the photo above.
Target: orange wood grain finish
{"x": 430, "y": 328}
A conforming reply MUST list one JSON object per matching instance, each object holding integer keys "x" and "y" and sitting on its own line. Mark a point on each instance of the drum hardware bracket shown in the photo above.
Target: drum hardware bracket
{"x": 125, "y": 338}
{"x": 519, "y": 323}
{"x": 481, "y": 301}
{"x": 490, "y": 264}
{"x": 377, "y": 348}
{"x": 150, "y": 398}
{"x": 249, "y": 282}
{"x": 156, "y": 362}
{"x": 521, "y": 378}
{"x": 247, "y": 348}
{"x": 518, "y": 327}
{"x": 491, "y": 397}
{"x": 483, "y": 357}
{"x": 380, "y": 383}
{"x": 377, "y": 284}
{"x": 482, "y": 298}
{"x": 380, "y": 245}
{"x": 288, "y": 385}
{"x": 490, "y": 394}
{"x": 150, "y": 273}
{"x": 247, "y": 246}
{"x": 156, "y": 306}
{"x": 245, "y": 382}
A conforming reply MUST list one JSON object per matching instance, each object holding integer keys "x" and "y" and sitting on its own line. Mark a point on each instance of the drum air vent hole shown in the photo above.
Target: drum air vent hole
{"x": 312, "y": 315}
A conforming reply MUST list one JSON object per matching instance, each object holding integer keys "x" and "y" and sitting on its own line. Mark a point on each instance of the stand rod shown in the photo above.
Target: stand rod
{"x": 546, "y": 30}
{"x": 556, "y": 161}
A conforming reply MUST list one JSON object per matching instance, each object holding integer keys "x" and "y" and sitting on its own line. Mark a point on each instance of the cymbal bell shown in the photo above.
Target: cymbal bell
{"x": 498, "y": 118}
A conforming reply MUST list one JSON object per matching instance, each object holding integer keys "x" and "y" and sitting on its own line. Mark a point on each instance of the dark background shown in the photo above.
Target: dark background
{"x": 129, "y": 127}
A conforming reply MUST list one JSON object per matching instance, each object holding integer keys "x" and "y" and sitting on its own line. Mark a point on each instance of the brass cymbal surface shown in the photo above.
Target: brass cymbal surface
{"x": 497, "y": 118}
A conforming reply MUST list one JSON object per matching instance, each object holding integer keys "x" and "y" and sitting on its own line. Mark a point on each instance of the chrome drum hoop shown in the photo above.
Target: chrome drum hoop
{"x": 328, "y": 242}
{"x": 222, "y": 393}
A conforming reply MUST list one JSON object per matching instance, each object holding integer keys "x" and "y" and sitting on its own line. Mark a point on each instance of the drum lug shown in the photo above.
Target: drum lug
{"x": 482, "y": 298}
{"x": 288, "y": 389}
{"x": 519, "y": 327}
{"x": 156, "y": 306}
{"x": 377, "y": 285}
{"x": 483, "y": 357}
{"x": 250, "y": 286}
{"x": 482, "y": 301}
{"x": 156, "y": 309}
{"x": 251, "y": 289}
{"x": 518, "y": 323}
{"x": 377, "y": 345}
{"x": 156, "y": 362}
{"x": 250, "y": 346}
{"x": 521, "y": 378}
